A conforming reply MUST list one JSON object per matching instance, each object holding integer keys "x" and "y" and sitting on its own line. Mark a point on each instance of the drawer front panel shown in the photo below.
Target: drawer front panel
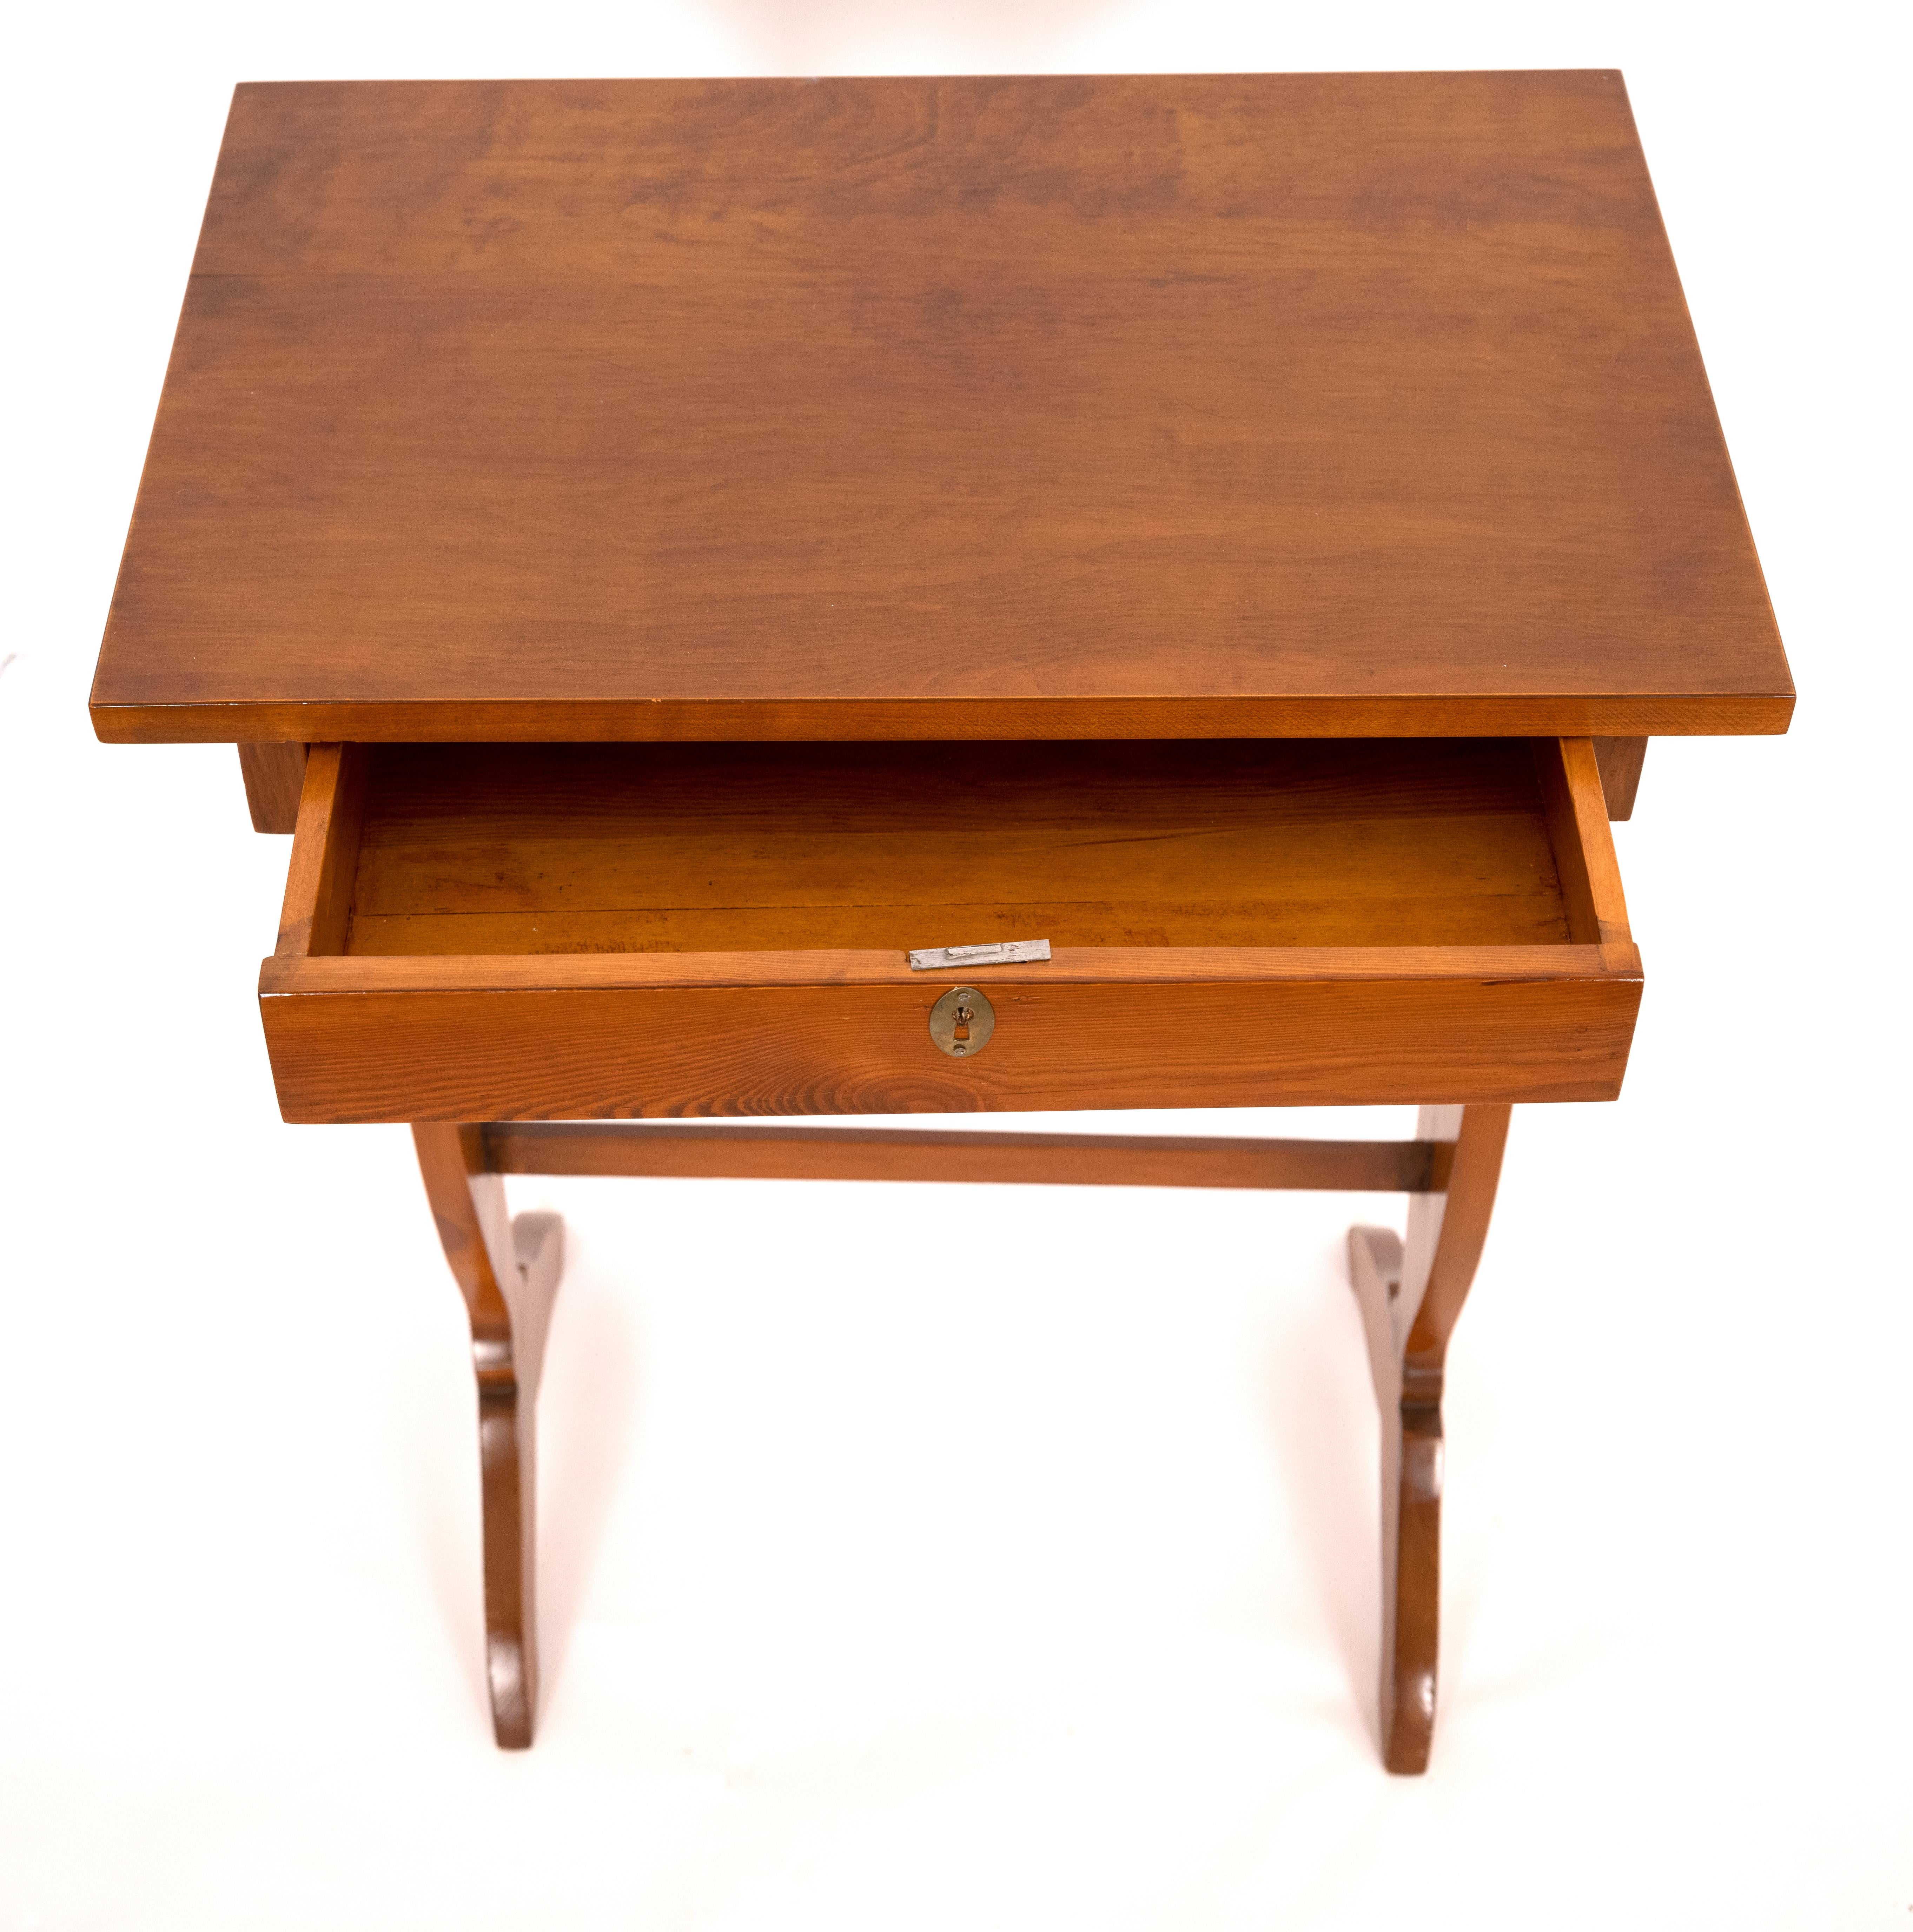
{"x": 596, "y": 1053}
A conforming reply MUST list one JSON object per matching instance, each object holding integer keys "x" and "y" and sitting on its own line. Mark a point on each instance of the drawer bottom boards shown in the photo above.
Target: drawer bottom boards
{"x": 494, "y": 932}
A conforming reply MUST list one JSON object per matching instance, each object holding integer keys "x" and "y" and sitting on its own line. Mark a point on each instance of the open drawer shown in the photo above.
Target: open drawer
{"x": 495, "y": 932}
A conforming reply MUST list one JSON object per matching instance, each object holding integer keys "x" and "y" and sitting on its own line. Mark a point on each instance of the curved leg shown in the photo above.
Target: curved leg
{"x": 1410, "y": 1300}
{"x": 507, "y": 1272}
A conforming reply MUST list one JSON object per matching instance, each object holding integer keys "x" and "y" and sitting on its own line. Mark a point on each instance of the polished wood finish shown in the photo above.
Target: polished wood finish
{"x": 317, "y": 913}
{"x": 903, "y": 721}
{"x": 1588, "y": 871}
{"x": 1113, "y": 844}
{"x": 923, "y": 1154}
{"x": 508, "y": 1271}
{"x": 274, "y": 775}
{"x": 488, "y": 849}
{"x": 1079, "y": 416}
{"x": 1074, "y": 965}
{"x": 1410, "y": 1301}
{"x": 1621, "y": 760}
{"x": 648, "y": 1051}
{"x": 1177, "y": 406}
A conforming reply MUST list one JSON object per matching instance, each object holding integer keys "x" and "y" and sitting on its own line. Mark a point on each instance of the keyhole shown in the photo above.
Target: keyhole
{"x": 961, "y": 1022}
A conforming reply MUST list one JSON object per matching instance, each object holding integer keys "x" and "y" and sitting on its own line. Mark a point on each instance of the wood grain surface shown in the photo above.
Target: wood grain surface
{"x": 523, "y": 849}
{"x": 1410, "y": 1297}
{"x": 315, "y": 916}
{"x": 924, "y": 1154}
{"x": 1241, "y": 405}
{"x": 508, "y": 1273}
{"x": 1587, "y": 868}
{"x": 677, "y": 886}
{"x": 581, "y": 1054}
{"x": 1073, "y": 966}
{"x": 1621, "y": 760}
{"x": 275, "y": 774}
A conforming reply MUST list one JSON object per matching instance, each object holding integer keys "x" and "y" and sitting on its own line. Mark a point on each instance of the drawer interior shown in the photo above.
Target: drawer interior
{"x": 488, "y": 932}
{"x": 538, "y": 849}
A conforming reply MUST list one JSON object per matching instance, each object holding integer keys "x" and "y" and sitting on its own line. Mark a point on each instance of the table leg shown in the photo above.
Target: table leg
{"x": 507, "y": 1272}
{"x": 1410, "y": 1300}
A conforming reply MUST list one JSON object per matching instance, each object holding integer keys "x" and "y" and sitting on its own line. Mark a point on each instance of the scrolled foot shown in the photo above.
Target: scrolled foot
{"x": 507, "y": 1272}
{"x": 508, "y": 1445}
{"x": 1410, "y": 1296}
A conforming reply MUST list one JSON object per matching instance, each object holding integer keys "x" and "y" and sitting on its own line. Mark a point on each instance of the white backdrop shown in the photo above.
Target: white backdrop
{"x": 1006, "y": 1559}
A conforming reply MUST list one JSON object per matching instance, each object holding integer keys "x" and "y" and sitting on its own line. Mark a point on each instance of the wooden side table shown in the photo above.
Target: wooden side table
{"x": 785, "y": 597}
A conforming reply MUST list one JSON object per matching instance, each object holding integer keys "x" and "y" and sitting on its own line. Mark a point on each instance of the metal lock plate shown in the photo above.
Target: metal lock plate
{"x": 962, "y": 1021}
{"x": 964, "y": 958}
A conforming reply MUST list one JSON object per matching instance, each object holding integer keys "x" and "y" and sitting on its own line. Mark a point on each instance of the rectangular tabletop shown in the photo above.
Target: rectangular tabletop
{"x": 1177, "y": 406}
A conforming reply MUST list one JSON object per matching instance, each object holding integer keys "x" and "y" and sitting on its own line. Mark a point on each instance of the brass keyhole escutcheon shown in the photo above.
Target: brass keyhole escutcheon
{"x": 962, "y": 1021}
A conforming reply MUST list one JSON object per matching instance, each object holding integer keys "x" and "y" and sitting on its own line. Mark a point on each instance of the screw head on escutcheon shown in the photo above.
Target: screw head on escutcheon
{"x": 962, "y": 1021}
